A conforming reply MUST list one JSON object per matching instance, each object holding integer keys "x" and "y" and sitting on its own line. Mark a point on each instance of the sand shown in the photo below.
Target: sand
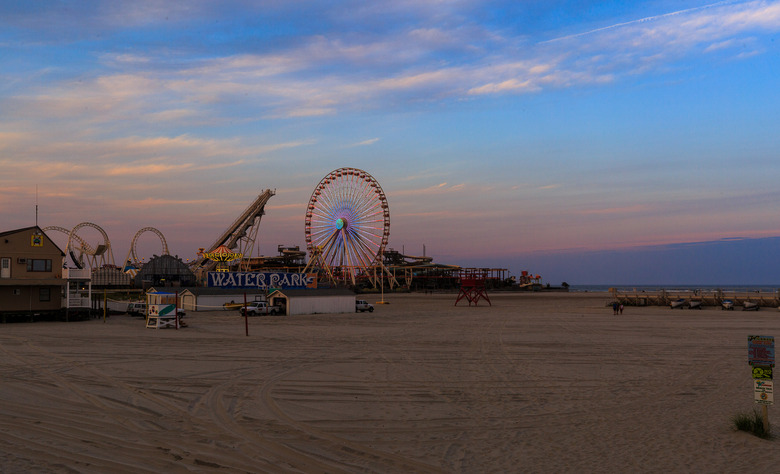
{"x": 535, "y": 383}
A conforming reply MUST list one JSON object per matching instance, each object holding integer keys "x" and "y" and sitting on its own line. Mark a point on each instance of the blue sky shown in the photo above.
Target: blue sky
{"x": 530, "y": 135}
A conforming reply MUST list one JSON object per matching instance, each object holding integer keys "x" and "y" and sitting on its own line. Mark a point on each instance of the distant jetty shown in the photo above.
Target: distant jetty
{"x": 663, "y": 297}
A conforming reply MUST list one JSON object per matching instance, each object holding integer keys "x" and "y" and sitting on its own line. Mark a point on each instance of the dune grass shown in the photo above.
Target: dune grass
{"x": 751, "y": 422}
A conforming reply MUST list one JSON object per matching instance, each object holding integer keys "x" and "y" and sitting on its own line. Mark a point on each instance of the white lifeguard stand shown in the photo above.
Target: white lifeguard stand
{"x": 161, "y": 310}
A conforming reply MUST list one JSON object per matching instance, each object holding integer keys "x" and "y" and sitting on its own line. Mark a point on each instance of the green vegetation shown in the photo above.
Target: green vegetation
{"x": 751, "y": 422}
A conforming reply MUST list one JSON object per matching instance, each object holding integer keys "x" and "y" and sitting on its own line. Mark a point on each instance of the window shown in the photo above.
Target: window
{"x": 38, "y": 265}
{"x": 5, "y": 268}
{"x": 44, "y": 294}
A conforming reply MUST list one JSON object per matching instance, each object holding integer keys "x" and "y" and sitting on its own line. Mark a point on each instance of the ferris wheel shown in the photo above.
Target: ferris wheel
{"x": 347, "y": 222}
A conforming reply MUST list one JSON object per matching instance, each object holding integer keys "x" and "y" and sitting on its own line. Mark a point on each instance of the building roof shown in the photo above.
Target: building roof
{"x": 16, "y": 231}
{"x": 26, "y": 229}
{"x": 313, "y": 292}
{"x": 204, "y": 290}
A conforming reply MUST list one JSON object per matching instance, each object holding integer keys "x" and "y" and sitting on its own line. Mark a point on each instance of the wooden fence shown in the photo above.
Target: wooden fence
{"x": 707, "y": 297}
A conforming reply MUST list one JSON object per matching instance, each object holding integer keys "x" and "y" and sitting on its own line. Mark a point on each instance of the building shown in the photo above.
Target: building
{"x": 30, "y": 272}
{"x": 213, "y": 299}
{"x": 335, "y": 300}
{"x": 164, "y": 271}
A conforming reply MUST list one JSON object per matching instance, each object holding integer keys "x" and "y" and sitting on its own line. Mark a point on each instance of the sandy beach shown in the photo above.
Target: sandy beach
{"x": 534, "y": 383}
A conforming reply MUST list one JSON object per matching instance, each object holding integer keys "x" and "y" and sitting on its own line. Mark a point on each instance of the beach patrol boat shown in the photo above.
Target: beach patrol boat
{"x": 677, "y": 303}
{"x": 749, "y": 306}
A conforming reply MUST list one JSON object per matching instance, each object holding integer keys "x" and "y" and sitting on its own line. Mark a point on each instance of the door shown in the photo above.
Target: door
{"x": 5, "y": 268}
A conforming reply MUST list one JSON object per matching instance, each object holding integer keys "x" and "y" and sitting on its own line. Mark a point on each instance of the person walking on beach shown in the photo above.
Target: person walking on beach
{"x": 621, "y": 308}
{"x": 614, "y": 307}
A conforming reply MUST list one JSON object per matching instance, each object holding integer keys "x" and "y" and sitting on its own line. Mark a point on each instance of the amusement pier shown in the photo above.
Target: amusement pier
{"x": 346, "y": 230}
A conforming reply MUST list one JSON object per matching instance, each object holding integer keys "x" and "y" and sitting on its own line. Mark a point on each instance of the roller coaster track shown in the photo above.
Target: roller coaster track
{"x": 77, "y": 247}
{"x": 132, "y": 254}
{"x": 240, "y": 235}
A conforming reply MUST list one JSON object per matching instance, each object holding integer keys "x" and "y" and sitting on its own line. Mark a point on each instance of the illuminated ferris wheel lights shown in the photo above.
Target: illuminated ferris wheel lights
{"x": 347, "y": 221}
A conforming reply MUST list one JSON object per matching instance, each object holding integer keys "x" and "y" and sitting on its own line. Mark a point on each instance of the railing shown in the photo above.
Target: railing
{"x": 707, "y": 297}
{"x": 76, "y": 273}
{"x": 77, "y": 302}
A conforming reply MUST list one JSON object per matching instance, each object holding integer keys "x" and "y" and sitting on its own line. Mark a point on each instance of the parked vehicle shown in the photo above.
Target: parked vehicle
{"x": 260, "y": 308}
{"x": 136, "y": 309}
{"x": 363, "y": 305}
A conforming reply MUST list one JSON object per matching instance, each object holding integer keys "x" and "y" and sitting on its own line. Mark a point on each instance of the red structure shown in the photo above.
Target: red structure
{"x": 472, "y": 287}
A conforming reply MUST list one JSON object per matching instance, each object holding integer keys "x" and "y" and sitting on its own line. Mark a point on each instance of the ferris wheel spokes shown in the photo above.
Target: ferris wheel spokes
{"x": 348, "y": 222}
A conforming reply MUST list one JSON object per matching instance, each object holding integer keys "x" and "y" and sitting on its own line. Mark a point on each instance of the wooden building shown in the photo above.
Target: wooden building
{"x": 312, "y": 301}
{"x": 203, "y": 298}
{"x": 30, "y": 272}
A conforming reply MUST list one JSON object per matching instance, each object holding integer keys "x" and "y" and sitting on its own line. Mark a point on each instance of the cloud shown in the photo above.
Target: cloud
{"x": 324, "y": 75}
{"x": 675, "y": 32}
{"x": 368, "y": 142}
{"x": 510, "y": 85}
{"x": 173, "y": 115}
{"x": 116, "y": 123}
{"x": 720, "y": 45}
{"x": 638, "y": 21}
{"x": 616, "y": 210}
{"x": 136, "y": 156}
{"x": 638, "y": 46}
{"x": 295, "y": 206}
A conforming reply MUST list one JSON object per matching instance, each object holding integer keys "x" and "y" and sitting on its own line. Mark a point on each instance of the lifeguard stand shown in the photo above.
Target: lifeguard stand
{"x": 161, "y": 310}
{"x": 472, "y": 286}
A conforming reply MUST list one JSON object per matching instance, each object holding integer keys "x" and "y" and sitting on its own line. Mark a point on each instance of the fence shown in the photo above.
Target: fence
{"x": 707, "y": 297}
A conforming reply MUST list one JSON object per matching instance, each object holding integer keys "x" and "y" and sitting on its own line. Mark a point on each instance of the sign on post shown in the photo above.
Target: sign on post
{"x": 763, "y": 392}
{"x": 761, "y": 356}
{"x": 761, "y": 350}
{"x": 762, "y": 372}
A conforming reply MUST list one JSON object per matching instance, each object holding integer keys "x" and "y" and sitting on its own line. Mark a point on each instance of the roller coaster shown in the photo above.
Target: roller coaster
{"x": 83, "y": 254}
{"x": 100, "y": 255}
{"x": 132, "y": 254}
{"x": 239, "y": 237}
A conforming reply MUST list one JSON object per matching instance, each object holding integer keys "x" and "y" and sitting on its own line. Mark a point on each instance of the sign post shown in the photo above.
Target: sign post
{"x": 761, "y": 357}
{"x": 246, "y": 317}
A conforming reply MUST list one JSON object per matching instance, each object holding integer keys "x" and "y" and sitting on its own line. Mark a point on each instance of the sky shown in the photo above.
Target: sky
{"x": 592, "y": 142}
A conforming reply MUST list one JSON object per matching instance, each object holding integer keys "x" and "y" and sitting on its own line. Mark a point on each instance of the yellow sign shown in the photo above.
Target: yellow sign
{"x": 762, "y": 372}
{"x": 223, "y": 257}
{"x": 36, "y": 240}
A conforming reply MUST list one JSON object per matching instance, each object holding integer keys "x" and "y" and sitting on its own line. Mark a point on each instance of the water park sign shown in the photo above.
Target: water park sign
{"x": 262, "y": 280}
